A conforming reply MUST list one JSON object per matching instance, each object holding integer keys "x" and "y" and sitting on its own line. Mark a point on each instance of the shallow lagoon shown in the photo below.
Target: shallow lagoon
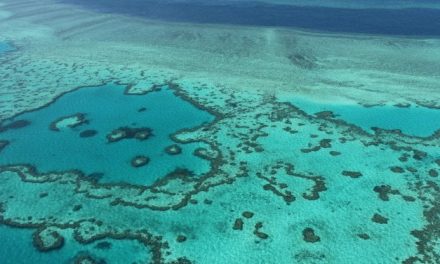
{"x": 412, "y": 120}
{"x": 106, "y": 109}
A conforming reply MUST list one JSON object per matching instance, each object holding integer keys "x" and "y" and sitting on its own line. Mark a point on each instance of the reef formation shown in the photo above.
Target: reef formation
{"x": 246, "y": 176}
{"x": 261, "y": 189}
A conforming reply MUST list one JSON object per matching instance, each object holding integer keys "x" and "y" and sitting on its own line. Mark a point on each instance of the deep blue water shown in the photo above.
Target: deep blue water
{"x": 409, "y": 21}
{"x": 414, "y": 120}
{"x": 107, "y": 108}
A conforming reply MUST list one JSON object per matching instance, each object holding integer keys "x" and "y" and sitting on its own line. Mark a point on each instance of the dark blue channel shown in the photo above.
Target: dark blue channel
{"x": 407, "y": 22}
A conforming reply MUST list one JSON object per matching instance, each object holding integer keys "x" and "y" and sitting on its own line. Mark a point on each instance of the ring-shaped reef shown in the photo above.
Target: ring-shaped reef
{"x": 80, "y": 130}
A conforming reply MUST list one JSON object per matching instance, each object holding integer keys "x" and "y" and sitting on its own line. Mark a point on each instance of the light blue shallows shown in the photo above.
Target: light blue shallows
{"x": 108, "y": 108}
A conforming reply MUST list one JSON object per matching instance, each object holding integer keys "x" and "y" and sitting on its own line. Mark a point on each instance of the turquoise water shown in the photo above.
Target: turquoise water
{"x": 106, "y": 109}
{"x": 17, "y": 248}
{"x": 4, "y": 47}
{"x": 413, "y": 120}
{"x": 270, "y": 184}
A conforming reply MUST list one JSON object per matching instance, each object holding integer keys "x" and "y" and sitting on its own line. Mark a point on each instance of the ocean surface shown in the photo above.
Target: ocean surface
{"x": 407, "y": 21}
{"x": 4, "y": 47}
{"x": 178, "y": 132}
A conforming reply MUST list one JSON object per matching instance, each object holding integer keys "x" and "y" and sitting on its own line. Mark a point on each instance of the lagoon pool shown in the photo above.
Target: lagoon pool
{"x": 412, "y": 120}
